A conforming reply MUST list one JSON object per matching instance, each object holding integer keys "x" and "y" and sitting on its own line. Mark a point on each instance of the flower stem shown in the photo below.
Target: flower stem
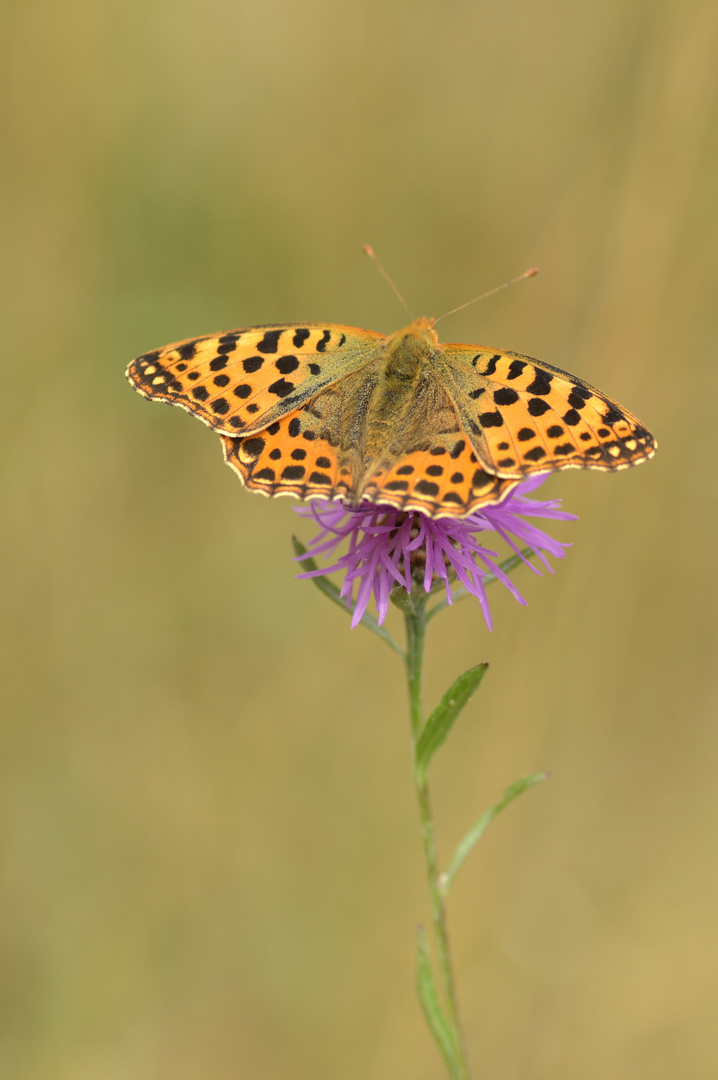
{"x": 416, "y": 619}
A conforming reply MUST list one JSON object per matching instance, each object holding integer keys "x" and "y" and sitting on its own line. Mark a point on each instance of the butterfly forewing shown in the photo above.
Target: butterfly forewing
{"x": 246, "y": 379}
{"x": 525, "y": 416}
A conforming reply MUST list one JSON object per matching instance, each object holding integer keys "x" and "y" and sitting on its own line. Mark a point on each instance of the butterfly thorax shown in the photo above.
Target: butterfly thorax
{"x": 404, "y": 366}
{"x": 407, "y": 402}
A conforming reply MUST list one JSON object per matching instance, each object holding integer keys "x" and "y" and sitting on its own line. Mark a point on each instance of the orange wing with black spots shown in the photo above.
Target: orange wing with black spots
{"x": 335, "y": 412}
{"x": 524, "y": 416}
{"x": 445, "y": 479}
{"x": 289, "y": 459}
{"x": 246, "y": 379}
{"x": 285, "y": 459}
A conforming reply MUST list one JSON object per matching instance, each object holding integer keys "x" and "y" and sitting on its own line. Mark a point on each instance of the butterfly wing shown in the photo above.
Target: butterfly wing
{"x": 307, "y": 454}
{"x": 523, "y": 416}
{"x": 313, "y": 451}
{"x": 247, "y": 379}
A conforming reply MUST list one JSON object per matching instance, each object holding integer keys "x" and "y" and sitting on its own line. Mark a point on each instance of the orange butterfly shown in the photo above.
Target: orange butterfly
{"x": 335, "y": 412}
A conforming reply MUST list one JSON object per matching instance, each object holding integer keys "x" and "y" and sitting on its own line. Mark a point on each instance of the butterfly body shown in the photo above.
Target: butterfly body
{"x": 329, "y": 411}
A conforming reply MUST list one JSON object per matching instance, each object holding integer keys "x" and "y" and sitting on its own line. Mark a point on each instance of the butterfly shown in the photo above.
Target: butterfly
{"x": 319, "y": 410}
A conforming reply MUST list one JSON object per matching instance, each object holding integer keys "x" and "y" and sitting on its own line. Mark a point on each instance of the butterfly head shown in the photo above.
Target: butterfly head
{"x": 422, "y": 328}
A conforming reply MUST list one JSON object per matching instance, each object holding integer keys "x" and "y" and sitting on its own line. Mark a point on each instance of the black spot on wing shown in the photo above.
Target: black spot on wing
{"x": 481, "y": 479}
{"x": 505, "y": 396}
{"x": 577, "y": 398}
{"x": 491, "y": 419}
{"x": 286, "y": 364}
{"x": 148, "y": 357}
{"x": 270, "y": 341}
{"x": 280, "y": 388}
{"x": 535, "y": 454}
{"x": 613, "y": 415}
{"x": 252, "y": 363}
{"x": 253, "y": 446}
{"x": 541, "y": 383}
{"x": 490, "y": 368}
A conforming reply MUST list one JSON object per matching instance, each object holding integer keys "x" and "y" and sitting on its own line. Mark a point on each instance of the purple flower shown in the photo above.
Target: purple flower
{"x": 387, "y": 547}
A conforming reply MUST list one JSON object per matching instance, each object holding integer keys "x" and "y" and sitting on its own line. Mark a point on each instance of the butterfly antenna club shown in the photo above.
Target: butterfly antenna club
{"x": 526, "y": 274}
{"x": 369, "y": 250}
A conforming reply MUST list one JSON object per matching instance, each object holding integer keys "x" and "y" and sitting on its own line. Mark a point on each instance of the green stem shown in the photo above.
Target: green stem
{"x": 416, "y": 620}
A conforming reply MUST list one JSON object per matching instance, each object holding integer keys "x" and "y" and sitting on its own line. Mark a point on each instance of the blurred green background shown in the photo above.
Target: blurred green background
{"x": 211, "y": 860}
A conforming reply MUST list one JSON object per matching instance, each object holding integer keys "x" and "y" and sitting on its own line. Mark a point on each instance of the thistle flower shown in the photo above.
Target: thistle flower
{"x": 387, "y": 547}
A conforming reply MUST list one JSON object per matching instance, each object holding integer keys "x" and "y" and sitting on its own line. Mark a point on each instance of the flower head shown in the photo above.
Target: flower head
{"x": 387, "y": 547}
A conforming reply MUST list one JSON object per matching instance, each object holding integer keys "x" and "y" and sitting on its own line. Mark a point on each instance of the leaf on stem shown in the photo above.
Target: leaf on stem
{"x": 329, "y": 589}
{"x": 437, "y": 727}
{"x": 474, "y": 834}
{"x": 426, "y": 988}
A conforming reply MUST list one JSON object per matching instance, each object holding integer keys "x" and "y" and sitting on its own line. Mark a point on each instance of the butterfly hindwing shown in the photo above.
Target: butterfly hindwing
{"x": 246, "y": 379}
{"x": 288, "y": 458}
{"x": 525, "y": 416}
{"x": 443, "y": 479}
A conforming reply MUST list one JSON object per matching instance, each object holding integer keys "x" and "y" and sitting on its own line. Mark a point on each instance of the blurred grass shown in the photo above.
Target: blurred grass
{"x": 211, "y": 861}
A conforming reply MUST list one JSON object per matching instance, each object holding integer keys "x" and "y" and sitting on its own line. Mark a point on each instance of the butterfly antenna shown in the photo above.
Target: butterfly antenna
{"x": 369, "y": 250}
{"x": 527, "y": 273}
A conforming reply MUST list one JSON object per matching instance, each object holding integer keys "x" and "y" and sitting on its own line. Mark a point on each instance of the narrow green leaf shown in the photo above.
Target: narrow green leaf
{"x": 426, "y": 988}
{"x": 329, "y": 589}
{"x": 507, "y": 566}
{"x": 437, "y": 727}
{"x": 474, "y": 834}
